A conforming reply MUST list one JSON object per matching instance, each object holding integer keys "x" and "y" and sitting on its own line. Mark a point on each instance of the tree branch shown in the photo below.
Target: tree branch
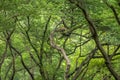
{"x": 54, "y": 45}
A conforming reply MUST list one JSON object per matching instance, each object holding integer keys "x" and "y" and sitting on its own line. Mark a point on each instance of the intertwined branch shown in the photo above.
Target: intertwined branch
{"x": 63, "y": 52}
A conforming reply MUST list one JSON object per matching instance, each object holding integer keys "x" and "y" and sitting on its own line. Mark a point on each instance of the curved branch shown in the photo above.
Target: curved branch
{"x": 54, "y": 45}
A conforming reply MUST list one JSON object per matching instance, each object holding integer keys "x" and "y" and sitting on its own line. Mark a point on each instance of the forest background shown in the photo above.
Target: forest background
{"x": 59, "y": 39}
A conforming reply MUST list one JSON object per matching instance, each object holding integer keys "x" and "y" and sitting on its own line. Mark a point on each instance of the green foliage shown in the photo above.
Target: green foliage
{"x": 25, "y": 29}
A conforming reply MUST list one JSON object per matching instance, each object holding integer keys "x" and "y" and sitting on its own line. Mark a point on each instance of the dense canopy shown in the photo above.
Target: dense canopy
{"x": 59, "y": 40}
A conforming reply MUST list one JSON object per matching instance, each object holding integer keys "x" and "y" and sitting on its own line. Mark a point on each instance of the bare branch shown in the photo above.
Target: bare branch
{"x": 54, "y": 45}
